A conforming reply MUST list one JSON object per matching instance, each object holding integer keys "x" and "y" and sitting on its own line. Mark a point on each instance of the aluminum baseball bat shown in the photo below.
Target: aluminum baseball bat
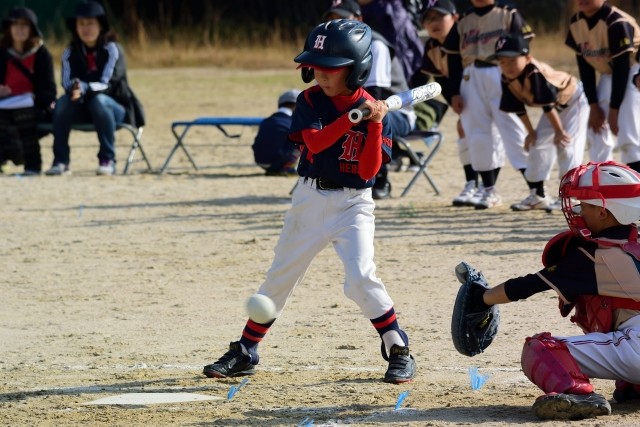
{"x": 402, "y": 99}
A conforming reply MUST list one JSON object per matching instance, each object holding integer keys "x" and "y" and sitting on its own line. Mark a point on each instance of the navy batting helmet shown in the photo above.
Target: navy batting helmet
{"x": 336, "y": 44}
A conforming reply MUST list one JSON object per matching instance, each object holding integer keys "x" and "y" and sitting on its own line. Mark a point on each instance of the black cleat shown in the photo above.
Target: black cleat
{"x": 402, "y": 365}
{"x": 381, "y": 192}
{"x": 234, "y": 363}
{"x": 626, "y": 391}
{"x": 560, "y": 406}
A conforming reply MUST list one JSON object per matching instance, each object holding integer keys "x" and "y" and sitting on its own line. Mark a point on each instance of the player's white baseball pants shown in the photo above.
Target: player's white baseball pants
{"x": 601, "y": 144}
{"x": 544, "y": 153}
{"x": 481, "y": 117}
{"x": 614, "y": 355}
{"x": 317, "y": 218}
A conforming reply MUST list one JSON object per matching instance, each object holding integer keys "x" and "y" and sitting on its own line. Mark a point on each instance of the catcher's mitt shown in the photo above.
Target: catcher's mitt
{"x": 474, "y": 324}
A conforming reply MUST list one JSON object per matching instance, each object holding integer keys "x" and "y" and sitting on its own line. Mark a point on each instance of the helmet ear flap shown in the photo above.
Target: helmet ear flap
{"x": 307, "y": 74}
{"x": 360, "y": 73}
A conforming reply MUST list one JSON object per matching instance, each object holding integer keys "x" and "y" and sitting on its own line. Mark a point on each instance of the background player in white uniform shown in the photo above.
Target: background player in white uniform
{"x": 332, "y": 203}
{"x": 605, "y": 40}
{"x": 561, "y": 132}
{"x": 439, "y": 18}
{"x": 594, "y": 269}
{"x": 479, "y": 29}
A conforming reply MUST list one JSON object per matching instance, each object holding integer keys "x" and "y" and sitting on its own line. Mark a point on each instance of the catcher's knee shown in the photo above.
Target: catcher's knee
{"x": 548, "y": 364}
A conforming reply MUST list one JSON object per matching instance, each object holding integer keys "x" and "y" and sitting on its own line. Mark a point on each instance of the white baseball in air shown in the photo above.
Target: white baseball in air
{"x": 261, "y": 308}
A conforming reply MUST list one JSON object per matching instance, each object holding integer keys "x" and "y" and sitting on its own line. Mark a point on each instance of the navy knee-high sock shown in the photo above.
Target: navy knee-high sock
{"x": 252, "y": 334}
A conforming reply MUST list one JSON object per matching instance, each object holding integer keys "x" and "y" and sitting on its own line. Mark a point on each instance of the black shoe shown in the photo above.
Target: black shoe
{"x": 560, "y": 406}
{"x": 384, "y": 192}
{"x": 234, "y": 363}
{"x": 402, "y": 365}
{"x": 626, "y": 391}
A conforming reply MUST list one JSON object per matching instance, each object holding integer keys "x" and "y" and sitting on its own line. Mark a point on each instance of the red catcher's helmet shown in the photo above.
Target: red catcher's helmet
{"x": 336, "y": 44}
{"x": 614, "y": 186}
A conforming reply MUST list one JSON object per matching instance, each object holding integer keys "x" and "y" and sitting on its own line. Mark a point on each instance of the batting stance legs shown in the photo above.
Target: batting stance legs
{"x": 317, "y": 218}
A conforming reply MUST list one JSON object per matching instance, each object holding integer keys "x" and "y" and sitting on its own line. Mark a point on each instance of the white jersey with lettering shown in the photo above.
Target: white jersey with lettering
{"x": 490, "y": 132}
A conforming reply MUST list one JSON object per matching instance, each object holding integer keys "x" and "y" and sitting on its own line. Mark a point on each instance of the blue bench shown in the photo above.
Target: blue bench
{"x": 217, "y": 122}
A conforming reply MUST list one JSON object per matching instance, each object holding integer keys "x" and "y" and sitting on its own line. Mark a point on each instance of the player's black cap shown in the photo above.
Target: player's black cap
{"x": 344, "y": 9}
{"x": 510, "y": 45}
{"x": 444, "y": 7}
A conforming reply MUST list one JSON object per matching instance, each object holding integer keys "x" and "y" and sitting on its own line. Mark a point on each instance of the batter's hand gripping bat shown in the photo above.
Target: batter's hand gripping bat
{"x": 402, "y": 99}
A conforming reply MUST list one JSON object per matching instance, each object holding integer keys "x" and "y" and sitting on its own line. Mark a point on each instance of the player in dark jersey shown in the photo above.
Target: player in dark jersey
{"x": 332, "y": 203}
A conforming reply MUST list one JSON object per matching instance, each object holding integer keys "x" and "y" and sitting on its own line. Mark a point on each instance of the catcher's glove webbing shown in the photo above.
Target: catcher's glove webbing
{"x": 474, "y": 324}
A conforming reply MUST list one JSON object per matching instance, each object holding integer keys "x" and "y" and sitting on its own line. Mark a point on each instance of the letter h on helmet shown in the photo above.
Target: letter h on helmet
{"x": 337, "y": 44}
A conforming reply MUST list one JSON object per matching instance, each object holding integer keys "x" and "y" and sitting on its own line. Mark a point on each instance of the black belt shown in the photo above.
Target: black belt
{"x": 325, "y": 183}
{"x": 483, "y": 64}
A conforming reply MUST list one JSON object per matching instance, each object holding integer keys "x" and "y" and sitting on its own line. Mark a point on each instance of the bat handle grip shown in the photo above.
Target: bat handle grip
{"x": 356, "y": 115}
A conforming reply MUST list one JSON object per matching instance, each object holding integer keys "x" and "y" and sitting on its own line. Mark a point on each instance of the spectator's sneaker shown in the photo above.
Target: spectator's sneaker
{"x": 560, "y": 406}
{"x": 233, "y": 363}
{"x": 626, "y": 391}
{"x": 107, "y": 167}
{"x": 29, "y": 172}
{"x": 532, "y": 201}
{"x": 489, "y": 199}
{"x": 466, "y": 197}
{"x": 402, "y": 365}
{"x": 58, "y": 169}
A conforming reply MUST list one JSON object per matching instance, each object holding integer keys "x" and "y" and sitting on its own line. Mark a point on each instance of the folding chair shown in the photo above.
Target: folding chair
{"x": 136, "y": 134}
{"x": 432, "y": 140}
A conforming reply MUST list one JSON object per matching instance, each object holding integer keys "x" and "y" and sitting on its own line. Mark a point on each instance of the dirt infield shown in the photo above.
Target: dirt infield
{"x": 130, "y": 284}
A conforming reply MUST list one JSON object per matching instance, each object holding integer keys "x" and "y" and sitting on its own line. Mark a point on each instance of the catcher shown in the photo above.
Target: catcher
{"x": 594, "y": 268}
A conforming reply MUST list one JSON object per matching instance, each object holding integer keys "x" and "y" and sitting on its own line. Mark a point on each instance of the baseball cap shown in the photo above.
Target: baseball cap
{"x": 444, "y": 7}
{"x": 289, "y": 96}
{"x": 344, "y": 9}
{"x": 510, "y": 45}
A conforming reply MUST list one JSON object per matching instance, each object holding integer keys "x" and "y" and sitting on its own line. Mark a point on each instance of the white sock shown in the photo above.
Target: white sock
{"x": 392, "y": 337}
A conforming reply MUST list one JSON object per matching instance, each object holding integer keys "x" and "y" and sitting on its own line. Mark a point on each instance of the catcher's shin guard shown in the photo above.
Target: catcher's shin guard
{"x": 548, "y": 364}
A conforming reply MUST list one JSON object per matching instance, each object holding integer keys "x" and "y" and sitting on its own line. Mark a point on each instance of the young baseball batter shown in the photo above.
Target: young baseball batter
{"x": 490, "y": 133}
{"x": 605, "y": 39}
{"x": 561, "y": 132}
{"x": 332, "y": 203}
{"x": 439, "y": 18}
{"x": 593, "y": 268}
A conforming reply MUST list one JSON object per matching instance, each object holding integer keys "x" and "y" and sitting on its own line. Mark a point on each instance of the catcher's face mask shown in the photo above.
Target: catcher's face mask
{"x": 611, "y": 185}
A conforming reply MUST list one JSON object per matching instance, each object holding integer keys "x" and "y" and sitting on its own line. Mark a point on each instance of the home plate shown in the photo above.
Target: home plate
{"x": 152, "y": 398}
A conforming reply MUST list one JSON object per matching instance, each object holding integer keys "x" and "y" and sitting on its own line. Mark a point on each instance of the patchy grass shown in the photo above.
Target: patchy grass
{"x": 186, "y": 51}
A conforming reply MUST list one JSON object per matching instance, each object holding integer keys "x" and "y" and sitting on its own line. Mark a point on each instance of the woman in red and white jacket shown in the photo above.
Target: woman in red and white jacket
{"x": 27, "y": 89}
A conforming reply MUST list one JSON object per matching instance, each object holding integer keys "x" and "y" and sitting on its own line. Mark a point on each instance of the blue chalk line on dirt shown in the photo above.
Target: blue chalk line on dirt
{"x": 401, "y": 399}
{"x": 305, "y": 423}
{"x": 233, "y": 390}
{"x": 477, "y": 379}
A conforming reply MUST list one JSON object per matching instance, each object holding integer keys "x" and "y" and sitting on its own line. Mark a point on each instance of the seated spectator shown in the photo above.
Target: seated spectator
{"x": 27, "y": 89}
{"x": 94, "y": 78}
{"x": 272, "y": 149}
